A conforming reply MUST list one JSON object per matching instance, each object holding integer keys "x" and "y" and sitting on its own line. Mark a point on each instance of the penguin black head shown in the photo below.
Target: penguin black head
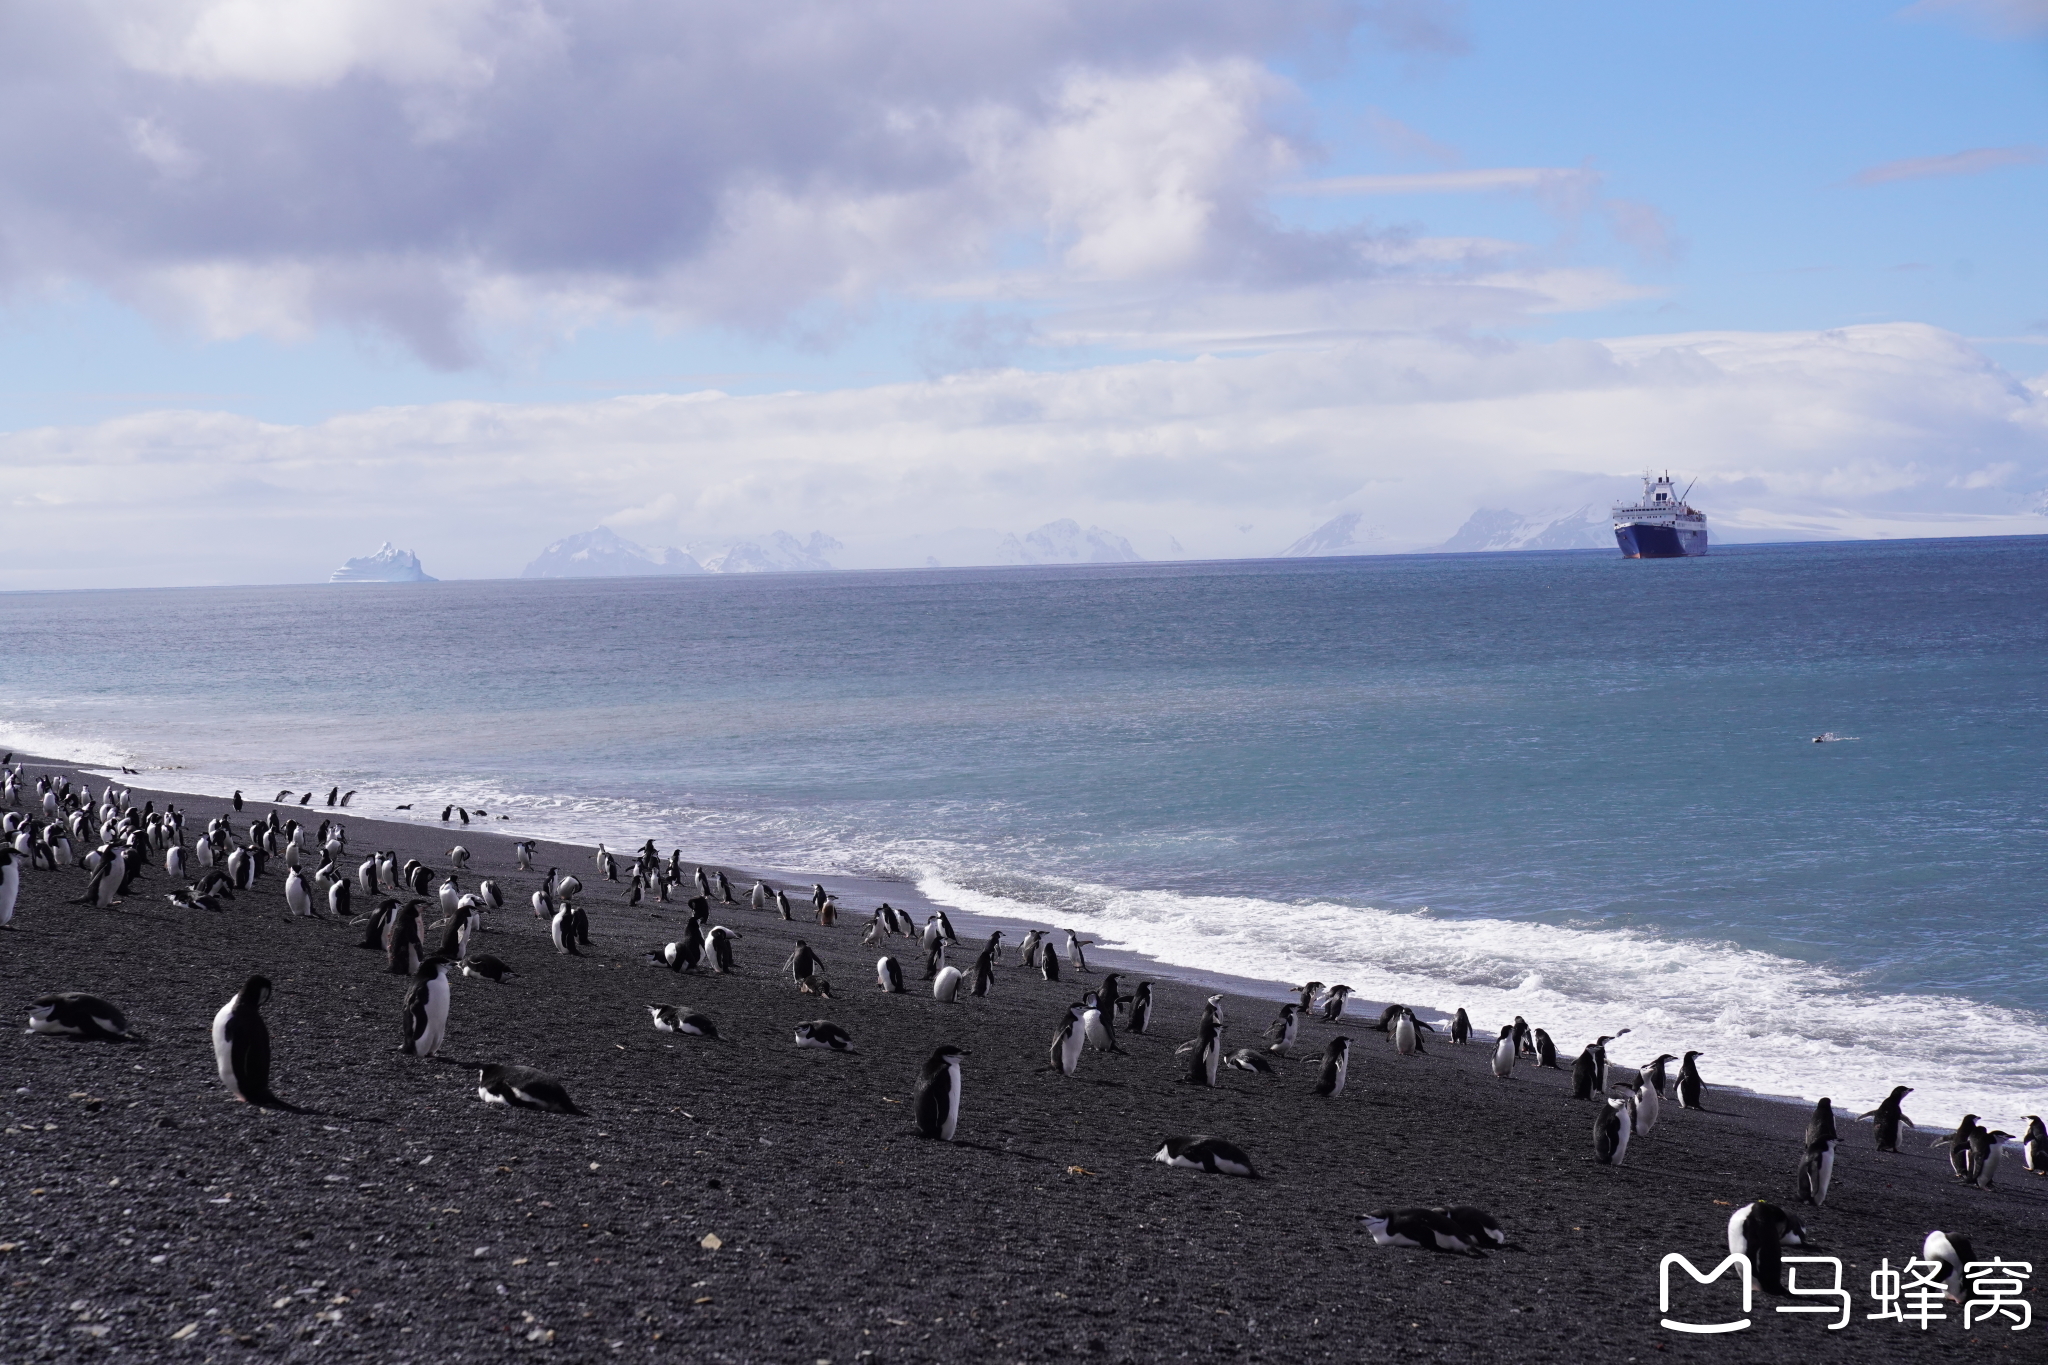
{"x": 946, "y": 1050}
{"x": 255, "y": 991}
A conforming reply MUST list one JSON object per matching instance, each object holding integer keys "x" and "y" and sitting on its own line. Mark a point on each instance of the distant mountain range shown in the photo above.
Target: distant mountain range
{"x": 1490, "y": 528}
{"x": 604, "y": 553}
{"x": 388, "y": 565}
{"x": 1064, "y": 542}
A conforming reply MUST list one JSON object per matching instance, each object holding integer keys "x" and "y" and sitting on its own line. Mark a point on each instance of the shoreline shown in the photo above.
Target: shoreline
{"x": 748, "y": 1200}
{"x": 863, "y": 893}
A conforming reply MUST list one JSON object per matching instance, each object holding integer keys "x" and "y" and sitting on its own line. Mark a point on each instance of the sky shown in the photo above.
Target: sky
{"x": 284, "y": 279}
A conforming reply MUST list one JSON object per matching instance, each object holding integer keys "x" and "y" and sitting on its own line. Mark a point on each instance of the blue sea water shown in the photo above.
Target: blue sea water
{"x": 1567, "y": 786}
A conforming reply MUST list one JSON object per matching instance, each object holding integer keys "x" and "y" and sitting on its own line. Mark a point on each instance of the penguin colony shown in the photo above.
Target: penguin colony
{"x": 50, "y": 824}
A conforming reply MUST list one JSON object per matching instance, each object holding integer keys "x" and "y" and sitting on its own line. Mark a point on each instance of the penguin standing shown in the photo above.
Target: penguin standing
{"x": 1027, "y": 948}
{"x": 1095, "y": 1024}
{"x": 1958, "y": 1144}
{"x": 1207, "y": 1054}
{"x": 802, "y": 962}
{"x": 1817, "y": 1167}
{"x": 782, "y": 906}
{"x": 1281, "y": 1033}
{"x": 2035, "y": 1145}
{"x": 720, "y": 942}
{"x": 1407, "y": 1038}
{"x": 1522, "y": 1036}
{"x": 1141, "y": 1009}
{"x": 1649, "y": 1105}
{"x": 1049, "y": 962}
{"x": 1546, "y": 1051}
{"x": 1611, "y": 1131}
{"x": 426, "y": 1009}
{"x": 1461, "y": 1027}
{"x": 758, "y": 898}
{"x": 983, "y": 976}
{"x": 562, "y": 929}
{"x": 889, "y": 975}
{"x": 1077, "y": 959}
{"x": 241, "y": 1045}
{"x": 1689, "y": 1083}
{"x": 1336, "y": 1067}
{"x": 1985, "y": 1149}
{"x": 938, "y": 1093}
{"x": 1953, "y": 1251}
{"x": 402, "y": 945}
{"x": 1654, "y": 1073}
{"x": 1333, "y": 1003}
{"x": 1503, "y": 1051}
{"x": 10, "y": 883}
{"x": 295, "y": 894}
{"x": 1888, "y": 1116}
{"x": 1067, "y": 1043}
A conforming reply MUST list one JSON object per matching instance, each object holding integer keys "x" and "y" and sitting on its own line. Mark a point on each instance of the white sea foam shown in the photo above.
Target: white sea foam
{"x": 1762, "y": 1022}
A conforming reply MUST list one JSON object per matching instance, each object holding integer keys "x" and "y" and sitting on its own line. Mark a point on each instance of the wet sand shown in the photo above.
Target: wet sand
{"x": 403, "y": 1220}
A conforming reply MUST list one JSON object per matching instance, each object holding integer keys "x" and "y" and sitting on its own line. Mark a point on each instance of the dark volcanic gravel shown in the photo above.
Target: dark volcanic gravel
{"x": 746, "y": 1200}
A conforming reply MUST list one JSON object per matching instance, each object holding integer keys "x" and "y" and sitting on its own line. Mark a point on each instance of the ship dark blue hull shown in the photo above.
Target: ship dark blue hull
{"x": 1659, "y": 542}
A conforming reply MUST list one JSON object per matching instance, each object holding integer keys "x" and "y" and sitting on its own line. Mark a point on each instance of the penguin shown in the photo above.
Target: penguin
{"x": 295, "y": 896}
{"x": 10, "y": 881}
{"x": 720, "y": 940}
{"x": 1209, "y": 1154}
{"x": 1110, "y": 998}
{"x": 1333, "y": 1003}
{"x": 1282, "y": 1032}
{"x": 1407, "y": 1039}
{"x": 1479, "y": 1228}
{"x": 703, "y": 883}
{"x": 758, "y": 898}
{"x": 1953, "y": 1251}
{"x": 1817, "y": 1167}
{"x": 426, "y": 1009}
{"x": 687, "y": 953}
{"x": 402, "y": 945}
{"x": 1958, "y": 1144}
{"x": 238, "y": 798}
{"x": 306, "y": 800}
{"x": 1889, "y": 1116}
{"x": 889, "y": 975}
{"x": 725, "y": 891}
{"x": 802, "y": 962}
{"x": 450, "y": 893}
{"x": 340, "y": 899}
{"x": 937, "y": 1100}
{"x": 2035, "y": 1145}
{"x": 347, "y": 797}
{"x": 818, "y": 900}
{"x": 1522, "y": 1035}
{"x": 241, "y": 1046}
{"x": 1654, "y": 1073}
{"x": 1649, "y": 1105}
{"x": 1245, "y": 1059}
{"x": 78, "y": 1015}
{"x": 174, "y": 865}
{"x": 569, "y": 887}
{"x": 1141, "y": 1009}
{"x": 1503, "y": 1052}
{"x": 1461, "y": 1027}
{"x": 1336, "y": 1068}
{"x": 983, "y": 975}
{"x": 1546, "y": 1051}
{"x": 1049, "y": 962}
{"x": 1611, "y": 1129}
{"x": 521, "y": 1087}
{"x": 1027, "y": 949}
{"x": 522, "y": 852}
{"x": 484, "y": 965}
{"x": 934, "y": 959}
{"x": 1985, "y": 1149}
{"x": 1096, "y": 1025}
{"x": 1426, "y": 1229}
{"x": 1760, "y": 1231}
{"x": 1067, "y": 1043}
{"x": 459, "y": 856}
{"x": 1207, "y": 1053}
{"x": 563, "y": 930}
{"x": 946, "y": 985}
{"x": 782, "y": 906}
{"x": 1689, "y": 1084}
{"x": 679, "y": 1019}
{"x": 1077, "y": 959}
{"x": 823, "y": 1033}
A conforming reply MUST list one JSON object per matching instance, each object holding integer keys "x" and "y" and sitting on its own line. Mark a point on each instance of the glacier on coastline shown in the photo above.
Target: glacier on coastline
{"x": 388, "y": 565}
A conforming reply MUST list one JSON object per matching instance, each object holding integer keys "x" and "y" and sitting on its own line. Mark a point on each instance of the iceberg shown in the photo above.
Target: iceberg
{"x": 388, "y": 565}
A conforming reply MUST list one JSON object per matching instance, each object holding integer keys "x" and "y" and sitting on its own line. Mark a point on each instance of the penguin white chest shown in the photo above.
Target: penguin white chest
{"x": 435, "y": 1027}
{"x": 223, "y": 1054}
{"x": 952, "y": 1099}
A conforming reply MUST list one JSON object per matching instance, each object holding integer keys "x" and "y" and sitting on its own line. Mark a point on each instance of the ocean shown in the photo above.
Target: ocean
{"x": 1562, "y": 785}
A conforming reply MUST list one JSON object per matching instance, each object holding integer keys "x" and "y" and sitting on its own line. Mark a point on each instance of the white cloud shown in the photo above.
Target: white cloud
{"x": 1880, "y": 430}
{"x": 1973, "y": 162}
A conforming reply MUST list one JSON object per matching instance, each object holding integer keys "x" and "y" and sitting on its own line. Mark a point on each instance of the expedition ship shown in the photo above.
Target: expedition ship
{"x": 1661, "y": 525}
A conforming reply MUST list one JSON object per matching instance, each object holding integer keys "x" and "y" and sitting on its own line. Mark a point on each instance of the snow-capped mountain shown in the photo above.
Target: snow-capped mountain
{"x": 604, "y": 553}
{"x": 1064, "y": 542}
{"x": 779, "y": 553}
{"x": 1495, "y": 528}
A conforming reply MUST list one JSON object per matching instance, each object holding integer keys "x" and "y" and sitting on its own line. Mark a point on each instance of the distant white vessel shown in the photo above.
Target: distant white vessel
{"x": 1662, "y": 525}
{"x": 388, "y": 565}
